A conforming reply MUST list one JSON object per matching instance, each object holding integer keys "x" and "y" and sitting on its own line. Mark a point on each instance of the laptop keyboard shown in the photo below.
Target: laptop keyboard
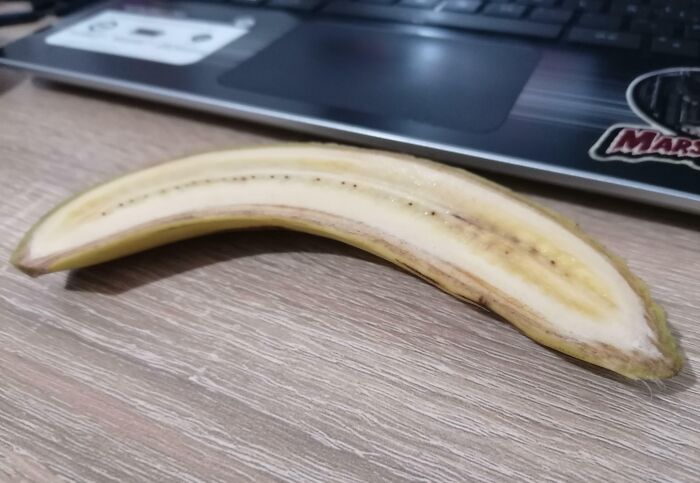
{"x": 666, "y": 27}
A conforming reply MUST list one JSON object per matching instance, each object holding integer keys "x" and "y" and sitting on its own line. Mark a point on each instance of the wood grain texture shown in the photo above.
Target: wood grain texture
{"x": 274, "y": 356}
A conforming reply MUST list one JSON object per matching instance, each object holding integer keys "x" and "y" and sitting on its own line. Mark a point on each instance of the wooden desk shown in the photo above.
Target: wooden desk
{"x": 264, "y": 356}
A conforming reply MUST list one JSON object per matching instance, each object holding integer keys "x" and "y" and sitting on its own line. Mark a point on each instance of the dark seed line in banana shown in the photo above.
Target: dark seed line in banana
{"x": 207, "y": 181}
{"x": 515, "y": 242}
{"x": 479, "y": 233}
{"x": 512, "y": 246}
{"x": 532, "y": 266}
{"x": 546, "y": 273}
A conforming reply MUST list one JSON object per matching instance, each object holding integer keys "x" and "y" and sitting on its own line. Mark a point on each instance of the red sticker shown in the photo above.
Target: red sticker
{"x": 669, "y": 100}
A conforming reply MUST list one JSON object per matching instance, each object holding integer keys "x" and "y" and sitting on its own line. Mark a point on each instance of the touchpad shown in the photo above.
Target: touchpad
{"x": 463, "y": 84}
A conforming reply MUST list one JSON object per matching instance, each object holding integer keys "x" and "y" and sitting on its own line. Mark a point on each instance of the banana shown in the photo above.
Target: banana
{"x": 470, "y": 237}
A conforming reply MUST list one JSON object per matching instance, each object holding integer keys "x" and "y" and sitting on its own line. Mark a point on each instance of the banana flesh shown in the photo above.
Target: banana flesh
{"x": 468, "y": 236}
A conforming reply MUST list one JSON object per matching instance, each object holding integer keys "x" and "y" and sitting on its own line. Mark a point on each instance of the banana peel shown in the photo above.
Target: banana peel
{"x": 468, "y": 236}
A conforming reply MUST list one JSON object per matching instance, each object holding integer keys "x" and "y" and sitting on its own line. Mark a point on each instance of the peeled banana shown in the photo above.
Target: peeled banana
{"x": 468, "y": 236}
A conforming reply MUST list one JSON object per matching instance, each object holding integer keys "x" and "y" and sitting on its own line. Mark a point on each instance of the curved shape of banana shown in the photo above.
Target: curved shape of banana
{"x": 468, "y": 236}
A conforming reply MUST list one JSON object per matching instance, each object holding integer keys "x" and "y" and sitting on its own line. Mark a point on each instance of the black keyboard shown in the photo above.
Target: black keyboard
{"x": 664, "y": 27}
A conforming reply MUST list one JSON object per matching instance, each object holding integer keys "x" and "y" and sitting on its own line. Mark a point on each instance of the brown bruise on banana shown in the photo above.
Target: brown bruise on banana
{"x": 521, "y": 252}
{"x": 531, "y": 258}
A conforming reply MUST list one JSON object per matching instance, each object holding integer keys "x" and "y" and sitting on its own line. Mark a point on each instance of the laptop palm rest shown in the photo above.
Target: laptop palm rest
{"x": 463, "y": 84}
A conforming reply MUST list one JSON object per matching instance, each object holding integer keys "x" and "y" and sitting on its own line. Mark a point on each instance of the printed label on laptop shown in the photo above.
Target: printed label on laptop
{"x": 175, "y": 41}
{"x": 669, "y": 100}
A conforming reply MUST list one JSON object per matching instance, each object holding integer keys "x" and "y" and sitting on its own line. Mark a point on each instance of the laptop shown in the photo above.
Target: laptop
{"x": 599, "y": 95}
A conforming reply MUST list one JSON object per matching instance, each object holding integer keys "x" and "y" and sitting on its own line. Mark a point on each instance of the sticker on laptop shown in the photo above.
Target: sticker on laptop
{"x": 669, "y": 101}
{"x": 174, "y": 41}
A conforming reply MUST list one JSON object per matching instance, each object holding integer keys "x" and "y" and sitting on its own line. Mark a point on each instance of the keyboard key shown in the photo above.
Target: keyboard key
{"x": 384, "y": 2}
{"x": 658, "y": 4}
{"x": 600, "y": 21}
{"x": 692, "y": 31}
{"x": 663, "y": 3}
{"x": 505, "y": 10}
{"x": 653, "y": 27}
{"x": 625, "y": 7}
{"x": 463, "y": 6}
{"x": 604, "y": 38}
{"x": 303, "y": 5}
{"x": 670, "y": 12}
{"x": 538, "y": 3}
{"x": 418, "y": 3}
{"x": 669, "y": 46}
{"x": 585, "y": 5}
{"x": 444, "y": 19}
{"x": 551, "y": 15}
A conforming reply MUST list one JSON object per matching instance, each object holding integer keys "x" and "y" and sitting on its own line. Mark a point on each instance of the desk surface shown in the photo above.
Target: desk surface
{"x": 263, "y": 356}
